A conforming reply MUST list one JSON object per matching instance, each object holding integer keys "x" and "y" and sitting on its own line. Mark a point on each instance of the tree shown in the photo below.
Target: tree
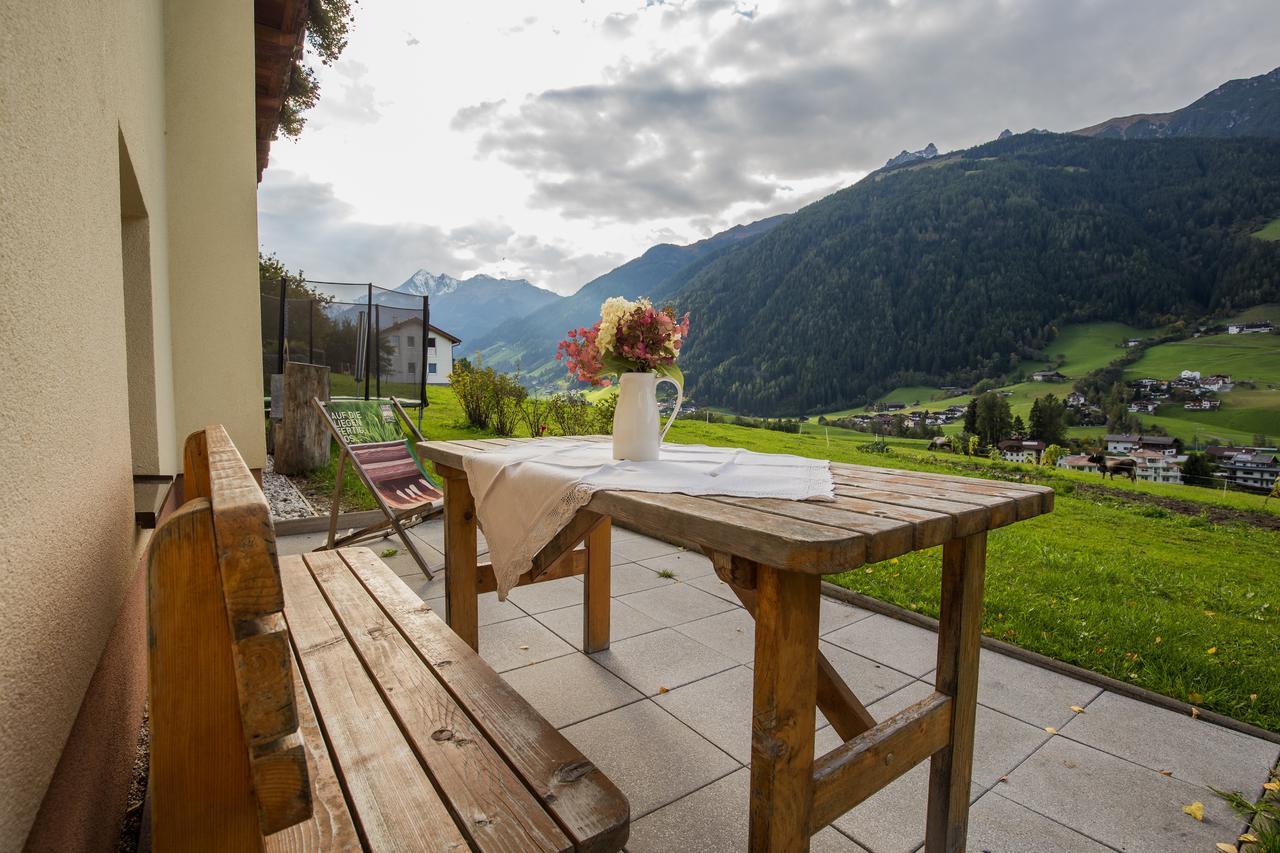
{"x": 1197, "y": 470}
{"x": 994, "y": 420}
{"x": 1052, "y": 454}
{"x": 971, "y": 417}
{"x": 972, "y": 446}
{"x": 1048, "y": 420}
{"x": 1019, "y": 428}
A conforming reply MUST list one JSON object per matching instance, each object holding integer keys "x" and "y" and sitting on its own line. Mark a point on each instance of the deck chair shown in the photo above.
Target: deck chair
{"x": 368, "y": 433}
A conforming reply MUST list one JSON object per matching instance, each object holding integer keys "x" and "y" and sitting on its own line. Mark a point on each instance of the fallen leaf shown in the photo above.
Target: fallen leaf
{"x": 1077, "y": 709}
{"x": 1159, "y": 640}
{"x": 1253, "y": 697}
{"x": 1274, "y": 787}
{"x": 1195, "y": 713}
{"x": 1248, "y": 838}
{"x": 1196, "y": 810}
{"x": 1003, "y": 779}
{"x": 1224, "y": 847}
{"x": 1212, "y": 650}
{"x": 1194, "y": 697}
{"x": 1209, "y": 613}
{"x": 664, "y": 690}
{"x": 1166, "y": 772}
{"x": 1051, "y": 730}
{"x": 524, "y": 648}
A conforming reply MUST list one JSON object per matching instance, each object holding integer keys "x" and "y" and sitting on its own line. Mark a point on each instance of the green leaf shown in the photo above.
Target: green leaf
{"x": 671, "y": 371}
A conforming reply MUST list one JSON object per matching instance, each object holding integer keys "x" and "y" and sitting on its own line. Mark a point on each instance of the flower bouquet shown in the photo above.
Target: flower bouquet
{"x": 639, "y": 344}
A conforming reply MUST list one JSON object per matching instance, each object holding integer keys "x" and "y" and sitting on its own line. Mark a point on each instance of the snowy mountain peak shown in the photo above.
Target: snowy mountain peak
{"x": 423, "y": 281}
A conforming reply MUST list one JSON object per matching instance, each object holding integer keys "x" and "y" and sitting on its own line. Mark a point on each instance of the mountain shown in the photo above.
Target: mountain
{"x": 659, "y": 274}
{"x": 1237, "y": 108}
{"x": 946, "y": 274}
{"x": 926, "y": 153}
{"x": 471, "y": 308}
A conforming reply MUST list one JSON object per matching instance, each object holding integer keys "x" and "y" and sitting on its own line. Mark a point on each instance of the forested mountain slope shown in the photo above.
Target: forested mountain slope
{"x": 945, "y": 271}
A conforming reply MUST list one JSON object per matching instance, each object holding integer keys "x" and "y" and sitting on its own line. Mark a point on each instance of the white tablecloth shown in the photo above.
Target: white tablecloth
{"x": 526, "y": 494}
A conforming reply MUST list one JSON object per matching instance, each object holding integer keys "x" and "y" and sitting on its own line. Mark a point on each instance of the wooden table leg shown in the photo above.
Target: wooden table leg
{"x": 959, "y": 631}
{"x": 844, "y": 710}
{"x": 595, "y": 610}
{"x": 783, "y": 714}
{"x": 461, "y": 596}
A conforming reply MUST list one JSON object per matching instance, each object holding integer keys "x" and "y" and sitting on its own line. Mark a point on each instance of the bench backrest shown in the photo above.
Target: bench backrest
{"x": 227, "y": 763}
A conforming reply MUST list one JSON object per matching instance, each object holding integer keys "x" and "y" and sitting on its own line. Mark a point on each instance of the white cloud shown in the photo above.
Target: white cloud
{"x": 478, "y": 136}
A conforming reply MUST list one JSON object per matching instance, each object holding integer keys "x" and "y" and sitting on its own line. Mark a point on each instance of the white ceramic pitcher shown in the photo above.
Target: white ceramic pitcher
{"x": 636, "y": 436}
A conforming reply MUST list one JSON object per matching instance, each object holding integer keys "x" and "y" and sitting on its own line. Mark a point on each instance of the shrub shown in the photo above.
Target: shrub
{"x": 536, "y": 414}
{"x": 507, "y": 406}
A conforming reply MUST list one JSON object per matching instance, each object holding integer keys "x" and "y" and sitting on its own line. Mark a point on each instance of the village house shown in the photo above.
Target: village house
{"x": 1251, "y": 467}
{"x": 1156, "y": 467}
{"x": 1047, "y": 376}
{"x": 1193, "y": 375}
{"x": 1204, "y": 405}
{"x": 405, "y": 342}
{"x": 1147, "y": 407}
{"x": 1076, "y": 400}
{"x": 1249, "y": 328}
{"x": 1021, "y": 451}
{"x": 1077, "y": 462}
{"x": 1124, "y": 445}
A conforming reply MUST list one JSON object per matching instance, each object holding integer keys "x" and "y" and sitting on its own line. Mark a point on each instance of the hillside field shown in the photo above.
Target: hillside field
{"x": 1270, "y": 231}
{"x": 1245, "y": 411}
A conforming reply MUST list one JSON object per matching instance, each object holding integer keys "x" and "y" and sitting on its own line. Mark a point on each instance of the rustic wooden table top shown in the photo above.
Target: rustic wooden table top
{"x": 878, "y": 513}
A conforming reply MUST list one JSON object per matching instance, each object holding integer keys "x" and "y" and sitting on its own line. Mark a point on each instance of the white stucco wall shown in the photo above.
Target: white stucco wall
{"x": 172, "y": 83}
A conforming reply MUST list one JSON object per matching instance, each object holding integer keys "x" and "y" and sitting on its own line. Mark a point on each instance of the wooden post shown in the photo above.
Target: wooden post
{"x": 304, "y": 438}
{"x": 959, "y": 630}
{"x": 595, "y": 609}
{"x": 783, "y": 714}
{"x": 460, "y": 597}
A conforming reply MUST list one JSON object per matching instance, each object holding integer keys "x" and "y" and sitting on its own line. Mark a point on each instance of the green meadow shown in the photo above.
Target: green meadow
{"x": 1270, "y": 231}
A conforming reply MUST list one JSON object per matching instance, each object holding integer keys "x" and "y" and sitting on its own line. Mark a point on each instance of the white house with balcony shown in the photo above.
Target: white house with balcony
{"x": 404, "y": 342}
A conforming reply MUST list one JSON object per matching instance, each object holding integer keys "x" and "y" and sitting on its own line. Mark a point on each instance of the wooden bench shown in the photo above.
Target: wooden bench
{"x": 314, "y": 702}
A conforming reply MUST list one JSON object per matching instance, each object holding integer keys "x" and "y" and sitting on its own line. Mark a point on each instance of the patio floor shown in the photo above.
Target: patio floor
{"x": 665, "y": 712}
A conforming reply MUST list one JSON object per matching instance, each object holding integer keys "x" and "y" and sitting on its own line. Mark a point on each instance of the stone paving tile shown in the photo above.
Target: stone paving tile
{"x": 834, "y": 615}
{"x": 519, "y": 642}
{"x": 732, "y": 633}
{"x": 571, "y": 688}
{"x": 676, "y": 603}
{"x": 624, "y": 622}
{"x": 1196, "y": 751}
{"x": 548, "y": 595}
{"x": 489, "y": 610}
{"x": 1001, "y": 742}
{"x": 712, "y": 584}
{"x": 997, "y": 825}
{"x": 685, "y": 565}
{"x": 719, "y": 708}
{"x": 664, "y": 658}
{"x": 301, "y": 543}
{"x": 1116, "y": 802}
{"x": 1038, "y": 696}
{"x": 626, "y": 578}
{"x": 892, "y": 820}
{"x": 431, "y": 533}
{"x": 904, "y": 647}
{"x": 652, "y": 757}
{"x": 713, "y": 820}
{"x": 868, "y": 680}
{"x": 428, "y": 589}
{"x": 640, "y": 548}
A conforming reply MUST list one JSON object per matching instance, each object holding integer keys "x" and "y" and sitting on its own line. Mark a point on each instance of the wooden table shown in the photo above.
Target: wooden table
{"x": 773, "y": 554}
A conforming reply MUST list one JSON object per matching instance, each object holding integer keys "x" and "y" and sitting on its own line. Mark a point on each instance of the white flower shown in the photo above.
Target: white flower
{"x": 611, "y": 313}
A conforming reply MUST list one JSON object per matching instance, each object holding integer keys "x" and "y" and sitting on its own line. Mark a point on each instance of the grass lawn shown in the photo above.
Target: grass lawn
{"x": 1089, "y": 346}
{"x": 1251, "y": 357}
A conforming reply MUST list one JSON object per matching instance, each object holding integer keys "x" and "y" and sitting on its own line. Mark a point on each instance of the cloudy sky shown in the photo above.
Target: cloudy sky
{"x": 553, "y": 140}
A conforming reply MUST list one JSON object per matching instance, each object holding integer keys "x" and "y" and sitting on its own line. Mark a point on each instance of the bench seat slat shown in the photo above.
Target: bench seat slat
{"x": 330, "y": 826}
{"x": 587, "y": 806}
{"x": 491, "y": 804}
{"x": 390, "y": 793}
